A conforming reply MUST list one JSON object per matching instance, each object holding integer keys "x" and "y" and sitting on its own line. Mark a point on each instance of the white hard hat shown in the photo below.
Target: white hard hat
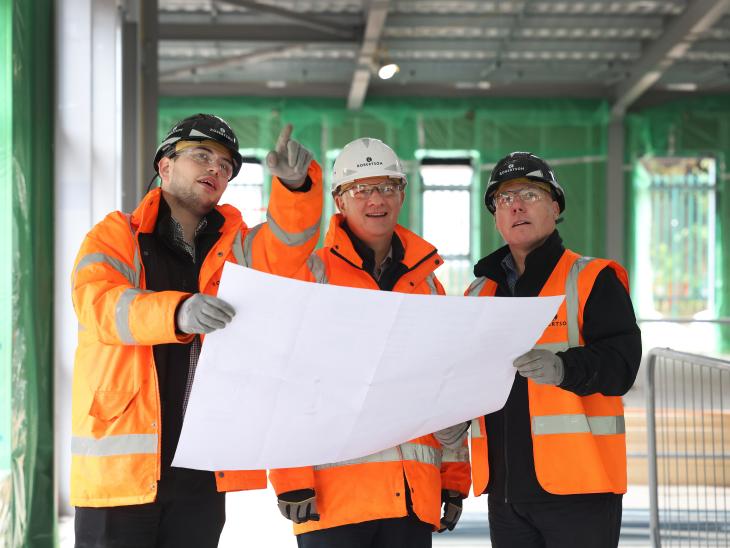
{"x": 364, "y": 158}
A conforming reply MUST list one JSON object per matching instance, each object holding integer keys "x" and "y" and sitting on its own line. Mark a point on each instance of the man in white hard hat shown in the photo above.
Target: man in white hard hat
{"x": 392, "y": 498}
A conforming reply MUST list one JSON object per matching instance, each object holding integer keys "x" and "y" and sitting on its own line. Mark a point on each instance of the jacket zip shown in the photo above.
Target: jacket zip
{"x": 419, "y": 263}
{"x": 336, "y": 254}
{"x": 158, "y": 429}
{"x": 506, "y": 462}
{"x": 504, "y": 435}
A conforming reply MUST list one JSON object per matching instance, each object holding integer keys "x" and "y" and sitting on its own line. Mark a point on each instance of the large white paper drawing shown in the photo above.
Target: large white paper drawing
{"x": 310, "y": 374}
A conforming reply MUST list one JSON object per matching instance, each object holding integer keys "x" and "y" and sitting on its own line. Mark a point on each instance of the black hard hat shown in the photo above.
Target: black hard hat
{"x": 201, "y": 127}
{"x": 522, "y": 165}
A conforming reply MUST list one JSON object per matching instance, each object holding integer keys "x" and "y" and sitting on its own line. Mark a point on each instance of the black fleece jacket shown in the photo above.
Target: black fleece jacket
{"x": 607, "y": 364}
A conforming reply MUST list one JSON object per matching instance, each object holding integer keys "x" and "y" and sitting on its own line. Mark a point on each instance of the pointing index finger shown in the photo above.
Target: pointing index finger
{"x": 283, "y": 139}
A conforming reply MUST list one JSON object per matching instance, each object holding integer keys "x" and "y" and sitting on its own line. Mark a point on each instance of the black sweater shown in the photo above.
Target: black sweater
{"x": 607, "y": 364}
{"x": 168, "y": 267}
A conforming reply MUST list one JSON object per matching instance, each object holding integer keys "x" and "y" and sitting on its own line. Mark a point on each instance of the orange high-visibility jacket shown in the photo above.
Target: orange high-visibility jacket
{"x": 372, "y": 487}
{"x": 579, "y": 442}
{"x": 116, "y": 444}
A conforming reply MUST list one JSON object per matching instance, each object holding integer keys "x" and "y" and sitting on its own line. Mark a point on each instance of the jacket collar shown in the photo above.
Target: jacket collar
{"x": 415, "y": 248}
{"x": 538, "y": 265}
{"x": 144, "y": 217}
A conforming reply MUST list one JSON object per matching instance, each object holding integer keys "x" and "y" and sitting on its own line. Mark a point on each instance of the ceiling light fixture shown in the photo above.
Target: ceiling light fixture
{"x": 682, "y": 86}
{"x": 383, "y": 65}
{"x": 387, "y": 71}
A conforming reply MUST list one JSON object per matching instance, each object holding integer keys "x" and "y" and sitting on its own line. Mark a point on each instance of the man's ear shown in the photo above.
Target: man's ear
{"x": 164, "y": 166}
{"x": 340, "y": 203}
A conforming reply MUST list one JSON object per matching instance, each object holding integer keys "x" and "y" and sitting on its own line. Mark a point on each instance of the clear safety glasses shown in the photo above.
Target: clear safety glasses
{"x": 504, "y": 199}
{"x": 363, "y": 191}
{"x": 206, "y": 158}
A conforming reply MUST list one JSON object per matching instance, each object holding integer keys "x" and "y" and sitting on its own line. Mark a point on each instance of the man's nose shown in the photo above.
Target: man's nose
{"x": 215, "y": 168}
{"x": 376, "y": 196}
{"x": 517, "y": 203}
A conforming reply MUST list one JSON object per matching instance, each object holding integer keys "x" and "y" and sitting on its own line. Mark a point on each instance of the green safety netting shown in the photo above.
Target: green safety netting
{"x": 570, "y": 133}
{"x": 693, "y": 127}
{"x": 27, "y": 489}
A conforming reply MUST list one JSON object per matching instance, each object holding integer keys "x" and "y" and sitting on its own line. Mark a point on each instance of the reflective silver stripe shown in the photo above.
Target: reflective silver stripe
{"x": 476, "y": 286}
{"x": 605, "y": 426}
{"x": 476, "y": 430}
{"x": 578, "y": 424}
{"x": 571, "y": 300}
{"x": 237, "y": 248}
{"x": 432, "y": 284}
{"x": 421, "y": 453}
{"x": 248, "y": 245}
{"x": 129, "y": 444}
{"x": 460, "y": 454}
{"x": 406, "y": 451}
{"x": 121, "y": 314}
{"x": 291, "y": 238}
{"x": 553, "y": 347}
{"x": 316, "y": 267}
{"x": 120, "y": 266}
{"x": 389, "y": 455}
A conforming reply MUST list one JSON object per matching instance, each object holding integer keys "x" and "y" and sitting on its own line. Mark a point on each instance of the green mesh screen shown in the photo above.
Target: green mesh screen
{"x": 6, "y": 287}
{"x": 27, "y": 490}
{"x": 692, "y": 128}
{"x": 569, "y": 133}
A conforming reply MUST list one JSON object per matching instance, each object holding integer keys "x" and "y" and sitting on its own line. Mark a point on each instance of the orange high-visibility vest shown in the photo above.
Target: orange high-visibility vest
{"x": 116, "y": 444}
{"x": 579, "y": 442}
{"x": 372, "y": 487}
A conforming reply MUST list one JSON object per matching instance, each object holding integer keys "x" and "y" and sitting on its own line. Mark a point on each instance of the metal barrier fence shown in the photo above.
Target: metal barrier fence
{"x": 688, "y": 423}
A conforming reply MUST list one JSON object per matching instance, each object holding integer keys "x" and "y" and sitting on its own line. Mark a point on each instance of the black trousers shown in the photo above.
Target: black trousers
{"x": 188, "y": 513}
{"x": 407, "y": 532}
{"x": 591, "y": 521}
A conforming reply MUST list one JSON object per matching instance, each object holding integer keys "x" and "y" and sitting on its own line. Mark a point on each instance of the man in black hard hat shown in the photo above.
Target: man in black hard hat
{"x": 553, "y": 460}
{"x": 144, "y": 290}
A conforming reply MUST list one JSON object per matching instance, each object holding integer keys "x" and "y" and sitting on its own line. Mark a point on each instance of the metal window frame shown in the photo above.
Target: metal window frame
{"x": 474, "y": 159}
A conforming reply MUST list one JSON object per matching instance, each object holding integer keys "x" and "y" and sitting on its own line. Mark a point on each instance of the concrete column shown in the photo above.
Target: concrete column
{"x": 87, "y": 173}
{"x": 148, "y": 89}
{"x": 615, "y": 202}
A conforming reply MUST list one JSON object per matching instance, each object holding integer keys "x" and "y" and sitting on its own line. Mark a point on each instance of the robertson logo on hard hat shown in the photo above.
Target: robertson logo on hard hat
{"x": 511, "y": 167}
{"x": 369, "y": 162}
{"x": 220, "y": 131}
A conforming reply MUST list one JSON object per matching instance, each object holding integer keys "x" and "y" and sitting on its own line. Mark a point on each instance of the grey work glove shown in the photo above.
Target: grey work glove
{"x": 289, "y": 161}
{"x": 542, "y": 366}
{"x": 203, "y": 314}
{"x": 299, "y": 506}
{"x": 453, "y": 436}
{"x": 452, "y": 504}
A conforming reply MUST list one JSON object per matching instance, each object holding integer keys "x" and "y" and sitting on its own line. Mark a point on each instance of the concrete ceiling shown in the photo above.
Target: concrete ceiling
{"x": 621, "y": 50}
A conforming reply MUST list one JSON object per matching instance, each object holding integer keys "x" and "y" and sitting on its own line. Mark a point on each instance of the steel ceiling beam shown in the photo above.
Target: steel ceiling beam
{"x": 250, "y": 32}
{"x": 415, "y": 89}
{"x": 682, "y": 31}
{"x": 229, "y": 62}
{"x": 321, "y": 25}
{"x": 377, "y": 13}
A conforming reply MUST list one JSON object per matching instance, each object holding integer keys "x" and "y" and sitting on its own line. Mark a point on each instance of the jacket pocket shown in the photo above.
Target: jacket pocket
{"x": 108, "y": 405}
